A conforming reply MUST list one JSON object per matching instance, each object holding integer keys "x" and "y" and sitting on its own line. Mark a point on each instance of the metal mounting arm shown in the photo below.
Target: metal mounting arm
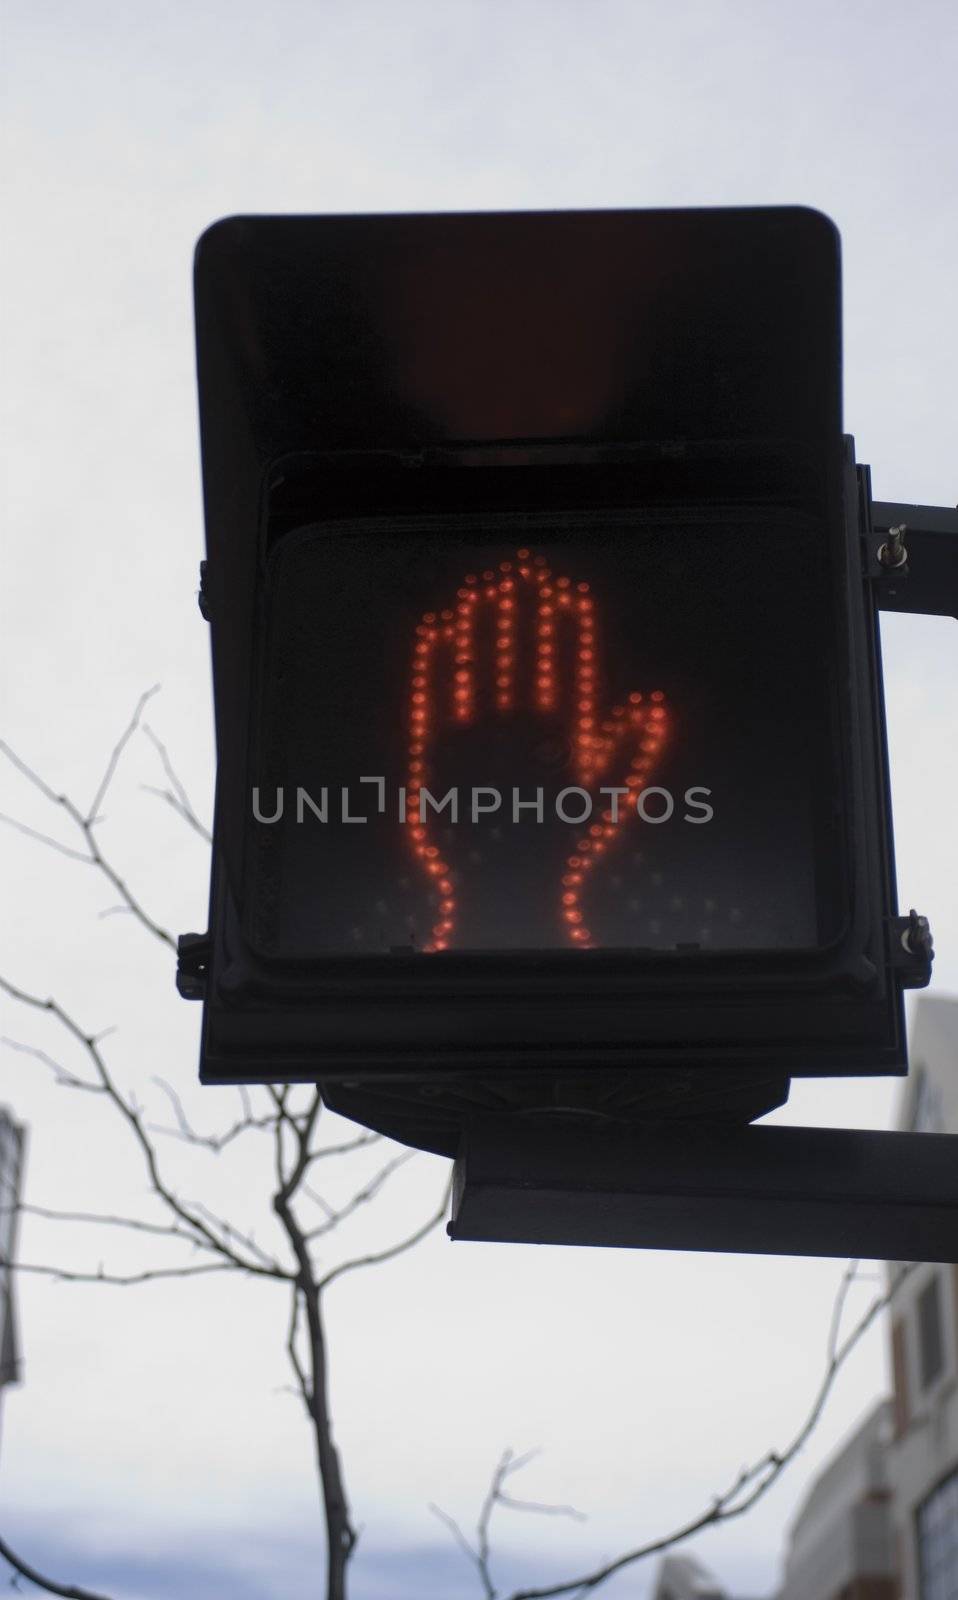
{"x": 766, "y": 1190}
{"x": 925, "y": 582}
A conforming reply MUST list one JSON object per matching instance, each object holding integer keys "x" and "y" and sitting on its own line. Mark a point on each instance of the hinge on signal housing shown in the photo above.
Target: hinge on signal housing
{"x": 912, "y": 950}
{"x": 192, "y": 964}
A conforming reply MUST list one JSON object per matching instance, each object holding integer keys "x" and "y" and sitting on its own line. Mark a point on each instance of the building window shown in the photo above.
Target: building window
{"x": 931, "y": 1352}
{"x": 899, "y": 1361}
{"x": 938, "y": 1542}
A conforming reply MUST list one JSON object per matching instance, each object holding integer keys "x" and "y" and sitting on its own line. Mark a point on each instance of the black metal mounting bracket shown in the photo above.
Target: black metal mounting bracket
{"x": 763, "y": 1189}
{"x": 192, "y": 964}
{"x": 912, "y": 558}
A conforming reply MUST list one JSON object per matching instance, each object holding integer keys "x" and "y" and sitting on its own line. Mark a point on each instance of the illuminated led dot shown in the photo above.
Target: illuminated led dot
{"x": 569, "y": 899}
{"x": 446, "y": 616}
{"x": 572, "y": 916}
{"x": 563, "y": 583}
{"x": 584, "y": 845}
{"x": 429, "y": 616}
{"x": 657, "y": 694}
{"x": 583, "y": 588}
{"x": 447, "y": 906}
{"x": 651, "y": 745}
{"x": 581, "y": 935}
{"x": 471, "y": 577}
{"x": 488, "y": 575}
{"x": 445, "y": 886}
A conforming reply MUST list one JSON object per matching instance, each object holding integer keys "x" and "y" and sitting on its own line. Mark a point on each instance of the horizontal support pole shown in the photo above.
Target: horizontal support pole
{"x": 928, "y": 584}
{"x": 764, "y": 1190}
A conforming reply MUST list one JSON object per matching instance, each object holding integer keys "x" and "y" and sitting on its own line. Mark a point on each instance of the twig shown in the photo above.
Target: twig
{"x": 177, "y": 796}
{"x": 361, "y": 1197}
{"x": 119, "y": 1279}
{"x": 750, "y": 1485}
{"x": 209, "y": 1141}
{"x": 134, "y": 1121}
{"x": 86, "y": 821}
{"x": 377, "y": 1256}
{"x": 69, "y": 1591}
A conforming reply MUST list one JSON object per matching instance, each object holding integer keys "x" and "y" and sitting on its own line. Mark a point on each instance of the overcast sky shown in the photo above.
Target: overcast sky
{"x": 151, "y": 1449}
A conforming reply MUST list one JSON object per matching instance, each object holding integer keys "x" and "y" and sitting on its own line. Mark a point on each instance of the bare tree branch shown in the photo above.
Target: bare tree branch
{"x": 191, "y": 1221}
{"x": 69, "y": 1591}
{"x": 135, "y": 1224}
{"x": 341, "y": 1534}
{"x": 216, "y": 1142}
{"x": 176, "y": 796}
{"x": 119, "y": 1279}
{"x": 117, "y": 751}
{"x": 361, "y": 1197}
{"x": 134, "y": 1121}
{"x": 86, "y": 821}
{"x": 344, "y": 1149}
{"x": 466, "y": 1548}
{"x": 376, "y": 1256}
{"x": 34, "y": 833}
{"x": 61, "y": 1074}
{"x": 753, "y": 1481}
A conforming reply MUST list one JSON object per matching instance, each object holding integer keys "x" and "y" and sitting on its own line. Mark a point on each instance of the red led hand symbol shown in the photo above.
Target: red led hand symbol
{"x": 518, "y": 638}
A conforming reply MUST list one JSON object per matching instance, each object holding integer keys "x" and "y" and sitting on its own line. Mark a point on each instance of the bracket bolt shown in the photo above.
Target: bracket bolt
{"x": 916, "y": 938}
{"x": 892, "y": 554}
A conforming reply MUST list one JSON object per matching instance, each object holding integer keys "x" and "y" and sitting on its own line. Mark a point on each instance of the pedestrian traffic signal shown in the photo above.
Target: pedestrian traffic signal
{"x": 549, "y": 723}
